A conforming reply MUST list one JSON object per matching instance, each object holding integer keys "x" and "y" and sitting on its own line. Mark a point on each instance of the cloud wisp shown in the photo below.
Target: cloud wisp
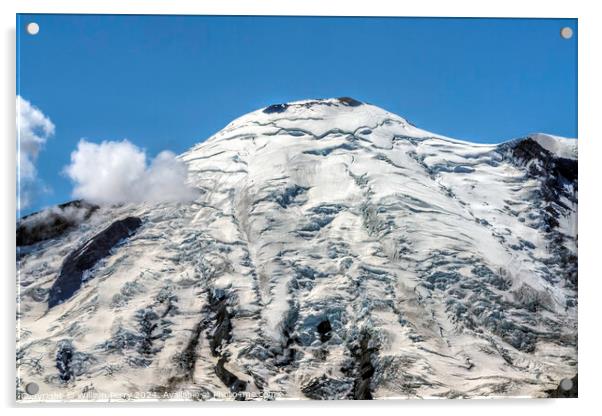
{"x": 34, "y": 128}
{"x": 114, "y": 172}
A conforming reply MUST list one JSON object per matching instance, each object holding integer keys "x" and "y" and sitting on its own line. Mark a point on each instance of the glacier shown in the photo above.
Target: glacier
{"x": 334, "y": 251}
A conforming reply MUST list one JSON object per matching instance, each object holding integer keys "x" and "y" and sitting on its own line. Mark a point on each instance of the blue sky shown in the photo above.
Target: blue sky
{"x": 168, "y": 82}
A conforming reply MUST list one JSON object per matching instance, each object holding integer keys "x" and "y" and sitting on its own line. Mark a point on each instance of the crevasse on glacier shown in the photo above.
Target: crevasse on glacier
{"x": 335, "y": 251}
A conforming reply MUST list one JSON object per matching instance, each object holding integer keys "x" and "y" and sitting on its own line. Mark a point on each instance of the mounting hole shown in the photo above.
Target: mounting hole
{"x": 566, "y": 384}
{"x": 33, "y": 28}
{"x": 32, "y": 388}
{"x": 566, "y": 32}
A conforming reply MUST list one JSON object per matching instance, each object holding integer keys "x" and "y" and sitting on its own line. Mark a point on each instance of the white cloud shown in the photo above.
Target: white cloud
{"x": 117, "y": 172}
{"x": 33, "y": 130}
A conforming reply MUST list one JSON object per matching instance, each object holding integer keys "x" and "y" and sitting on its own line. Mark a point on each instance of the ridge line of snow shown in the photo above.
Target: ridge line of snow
{"x": 562, "y": 146}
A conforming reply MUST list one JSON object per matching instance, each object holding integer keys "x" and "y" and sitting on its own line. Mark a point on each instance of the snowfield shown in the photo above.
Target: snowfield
{"x": 335, "y": 251}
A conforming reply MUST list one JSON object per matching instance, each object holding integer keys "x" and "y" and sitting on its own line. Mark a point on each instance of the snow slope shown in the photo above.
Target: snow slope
{"x": 335, "y": 251}
{"x": 560, "y": 146}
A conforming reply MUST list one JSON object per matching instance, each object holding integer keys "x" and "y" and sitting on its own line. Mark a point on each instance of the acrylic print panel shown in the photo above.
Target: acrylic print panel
{"x": 268, "y": 208}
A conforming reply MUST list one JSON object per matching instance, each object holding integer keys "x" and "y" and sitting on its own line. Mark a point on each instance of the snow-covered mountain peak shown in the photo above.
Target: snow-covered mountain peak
{"x": 334, "y": 251}
{"x": 343, "y": 115}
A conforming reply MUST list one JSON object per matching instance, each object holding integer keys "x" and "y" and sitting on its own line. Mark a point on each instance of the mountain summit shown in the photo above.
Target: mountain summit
{"x": 335, "y": 251}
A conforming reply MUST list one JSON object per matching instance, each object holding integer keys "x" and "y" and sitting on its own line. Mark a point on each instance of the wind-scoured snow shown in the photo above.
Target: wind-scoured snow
{"x": 334, "y": 251}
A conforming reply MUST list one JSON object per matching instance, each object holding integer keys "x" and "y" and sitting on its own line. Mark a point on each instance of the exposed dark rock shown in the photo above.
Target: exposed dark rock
{"x": 185, "y": 362}
{"x": 288, "y": 196}
{"x": 188, "y": 357}
{"x": 71, "y": 363}
{"x": 351, "y": 102}
{"x": 64, "y": 355}
{"x": 275, "y": 108}
{"x": 562, "y": 392}
{"x": 52, "y": 222}
{"x": 234, "y": 383}
{"x": 222, "y": 324}
{"x": 327, "y": 388}
{"x": 87, "y": 256}
{"x": 362, "y": 368}
{"x": 152, "y": 329}
{"x": 220, "y": 327}
{"x": 324, "y": 329}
